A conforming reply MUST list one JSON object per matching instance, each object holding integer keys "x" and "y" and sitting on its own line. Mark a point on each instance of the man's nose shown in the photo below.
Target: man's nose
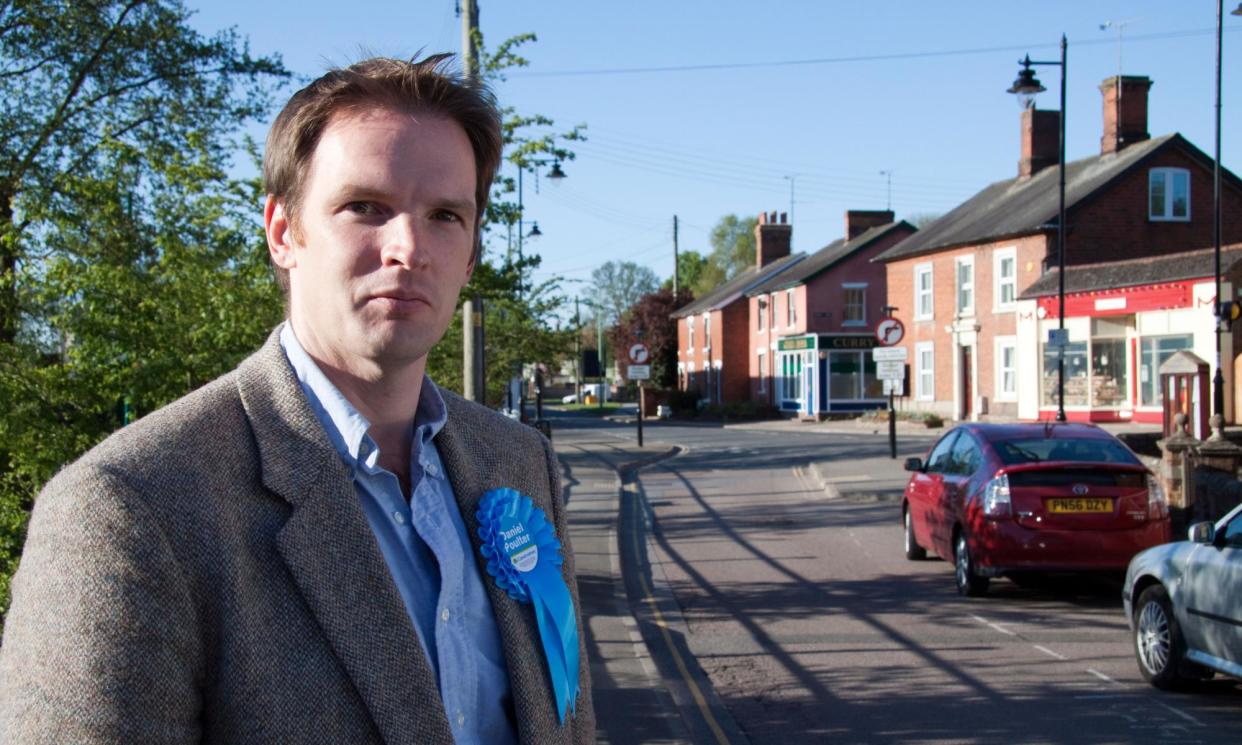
{"x": 402, "y": 243}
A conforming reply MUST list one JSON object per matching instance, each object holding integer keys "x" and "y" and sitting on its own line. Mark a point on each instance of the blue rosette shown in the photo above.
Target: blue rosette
{"x": 524, "y": 557}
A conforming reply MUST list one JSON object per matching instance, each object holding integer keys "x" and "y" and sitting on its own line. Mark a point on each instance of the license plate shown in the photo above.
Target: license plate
{"x": 1080, "y": 504}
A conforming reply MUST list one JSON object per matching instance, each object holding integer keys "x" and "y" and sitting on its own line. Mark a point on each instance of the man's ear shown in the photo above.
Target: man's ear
{"x": 279, "y": 233}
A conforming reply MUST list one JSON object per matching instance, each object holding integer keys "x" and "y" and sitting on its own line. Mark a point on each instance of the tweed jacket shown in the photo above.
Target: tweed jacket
{"x": 207, "y": 575}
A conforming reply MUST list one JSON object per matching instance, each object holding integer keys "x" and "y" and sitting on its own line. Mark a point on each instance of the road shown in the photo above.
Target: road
{"x": 785, "y": 613}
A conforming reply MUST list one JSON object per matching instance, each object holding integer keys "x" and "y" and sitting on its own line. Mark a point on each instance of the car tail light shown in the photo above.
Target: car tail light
{"x": 1157, "y": 502}
{"x": 996, "y": 501}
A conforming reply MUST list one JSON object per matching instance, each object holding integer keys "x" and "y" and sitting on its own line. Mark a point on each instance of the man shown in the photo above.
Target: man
{"x": 290, "y": 554}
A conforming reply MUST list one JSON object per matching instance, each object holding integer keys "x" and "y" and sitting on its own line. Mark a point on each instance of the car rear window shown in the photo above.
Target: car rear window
{"x": 1012, "y": 452}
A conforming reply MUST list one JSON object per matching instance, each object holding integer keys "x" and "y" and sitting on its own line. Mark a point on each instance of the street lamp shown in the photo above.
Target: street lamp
{"x": 1218, "y": 380}
{"x": 1025, "y": 88}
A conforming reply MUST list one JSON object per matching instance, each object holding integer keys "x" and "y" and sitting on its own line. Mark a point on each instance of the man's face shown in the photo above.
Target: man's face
{"x": 383, "y": 242}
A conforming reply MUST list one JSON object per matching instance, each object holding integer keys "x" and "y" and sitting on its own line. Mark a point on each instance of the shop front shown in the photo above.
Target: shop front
{"x": 822, "y": 373}
{"x": 1117, "y": 341}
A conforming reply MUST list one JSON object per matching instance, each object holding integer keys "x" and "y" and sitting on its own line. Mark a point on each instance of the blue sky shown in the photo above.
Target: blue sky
{"x": 830, "y": 93}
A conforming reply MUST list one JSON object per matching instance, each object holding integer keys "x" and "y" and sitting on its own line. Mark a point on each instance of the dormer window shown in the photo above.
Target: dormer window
{"x": 1168, "y": 194}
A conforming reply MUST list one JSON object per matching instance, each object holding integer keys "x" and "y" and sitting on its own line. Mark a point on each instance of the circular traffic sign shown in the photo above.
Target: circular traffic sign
{"x": 890, "y": 331}
{"x": 639, "y": 354}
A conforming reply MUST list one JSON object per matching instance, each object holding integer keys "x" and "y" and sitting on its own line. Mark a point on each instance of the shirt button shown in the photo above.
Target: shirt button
{"x": 444, "y": 614}
{"x": 399, "y": 518}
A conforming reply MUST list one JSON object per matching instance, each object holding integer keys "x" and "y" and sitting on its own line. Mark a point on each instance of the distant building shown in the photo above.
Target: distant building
{"x": 977, "y": 288}
{"x": 812, "y": 325}
{"x": 712, "y": 331}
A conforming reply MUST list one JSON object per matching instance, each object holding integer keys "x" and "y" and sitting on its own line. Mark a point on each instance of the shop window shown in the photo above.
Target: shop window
{"x": 925, "y": 371}
{"x": 923, "y": 299}
{"x": 966, "y": 286}
{"x": 1109, "y": 381}
{"x": 1076, "y": 378}
{"x": 855, "y": 305}
{"x": 1006, "y": 369}
{"x": 1168, "y": 194}
{"x": 851, "y": 377}
{"x": 1153, "y": 351}
{"x": 791, "y": 376}
{"x": 1005, "y": 277}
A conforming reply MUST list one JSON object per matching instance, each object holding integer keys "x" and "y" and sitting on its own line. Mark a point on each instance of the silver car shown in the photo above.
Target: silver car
{"x": 1184, "y": 604}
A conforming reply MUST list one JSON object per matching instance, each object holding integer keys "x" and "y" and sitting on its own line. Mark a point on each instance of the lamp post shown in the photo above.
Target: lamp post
{"x": 556, "y": 174}
{"x": 1025, "y": 87}
{"x": 1218, "y": 379}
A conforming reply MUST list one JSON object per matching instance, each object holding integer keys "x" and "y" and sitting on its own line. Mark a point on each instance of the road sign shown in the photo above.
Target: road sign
{"x": 890, "y": 331}
{"x": 638, "y": 372}
{"x": 889, "y": 354}
{"x": 890, "y": 370}
{"x": 1058, "y": 338}
{"x": 639, "y": 354}
{"x": 895, "y": 387}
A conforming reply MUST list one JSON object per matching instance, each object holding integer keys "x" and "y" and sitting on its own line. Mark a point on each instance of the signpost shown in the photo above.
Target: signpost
{"x": 640, "y": 370}
{"x": 890, "y": 366}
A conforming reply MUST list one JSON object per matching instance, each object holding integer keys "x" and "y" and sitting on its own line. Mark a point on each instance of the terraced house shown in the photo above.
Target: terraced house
{"x": 977, "y": 289}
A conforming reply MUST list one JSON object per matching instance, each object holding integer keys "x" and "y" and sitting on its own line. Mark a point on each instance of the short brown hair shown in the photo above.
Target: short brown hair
{"x": 380, "y": 82}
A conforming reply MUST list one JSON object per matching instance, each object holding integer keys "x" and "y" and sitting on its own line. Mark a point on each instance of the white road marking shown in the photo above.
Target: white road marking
{"x": 1102, "y": 676}
{"x": 1180, "y": 713}
{"x": 994, "y": 626}
{"x": 1049, "y": 652}
{"x": 847, "y": 479}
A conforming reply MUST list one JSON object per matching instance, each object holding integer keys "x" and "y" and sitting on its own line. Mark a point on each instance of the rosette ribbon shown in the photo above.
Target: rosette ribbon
{"x": 524, "y": 557}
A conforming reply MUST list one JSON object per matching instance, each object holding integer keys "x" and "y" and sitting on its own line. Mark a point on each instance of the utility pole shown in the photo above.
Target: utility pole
{"x": 577, "y": 354}
{"x": 676, "y": 262}
{"x": 474, "y": 368}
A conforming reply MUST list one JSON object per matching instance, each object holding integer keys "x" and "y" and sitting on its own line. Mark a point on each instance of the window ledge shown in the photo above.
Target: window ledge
{"x": 855, "y": 324}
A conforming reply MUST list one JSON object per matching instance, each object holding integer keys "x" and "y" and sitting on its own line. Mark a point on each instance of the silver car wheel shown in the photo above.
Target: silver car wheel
{"x": 1154, "y": 642}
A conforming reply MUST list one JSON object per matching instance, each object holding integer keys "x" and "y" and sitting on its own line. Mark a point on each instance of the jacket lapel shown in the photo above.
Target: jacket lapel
{"x": 474, "y": 466}
{"x": 334, "y": 559}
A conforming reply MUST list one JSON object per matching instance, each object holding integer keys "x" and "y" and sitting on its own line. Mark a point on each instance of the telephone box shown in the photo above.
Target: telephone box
{"x": 1185, "y": 383}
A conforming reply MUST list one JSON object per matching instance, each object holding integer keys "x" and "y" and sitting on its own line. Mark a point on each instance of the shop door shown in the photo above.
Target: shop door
{"x": 808, "y": 384}
{"x": 968, "y": 392}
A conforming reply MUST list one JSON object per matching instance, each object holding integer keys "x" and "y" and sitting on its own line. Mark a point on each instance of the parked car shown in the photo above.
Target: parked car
{"x": 1184, "y": 607}
{"x": 1021, "y": 499}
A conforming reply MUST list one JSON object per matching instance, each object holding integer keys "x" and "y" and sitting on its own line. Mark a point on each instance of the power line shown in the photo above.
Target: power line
{"x": 845, "y": 60}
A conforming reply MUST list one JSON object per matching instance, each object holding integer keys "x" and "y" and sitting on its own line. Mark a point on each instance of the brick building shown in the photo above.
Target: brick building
{"x": 712, "y": 331}
{"x": 973, "y": 286}
{"x": 812, "y": 324}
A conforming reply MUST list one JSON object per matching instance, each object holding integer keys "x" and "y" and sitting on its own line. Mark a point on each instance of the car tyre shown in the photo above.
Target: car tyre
{"x": 914, "y": 552}
{"x": 1158, "y": 643}
{"x": 969, "y": 582}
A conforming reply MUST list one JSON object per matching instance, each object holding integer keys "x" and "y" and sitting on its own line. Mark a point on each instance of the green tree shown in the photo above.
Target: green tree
{"x": 650, "y": 320}
{"x": 733, "y": 248}
{"x": 131, "y": 266}
{"x": 617, "y": 285}
{"x": 690, "y": 268}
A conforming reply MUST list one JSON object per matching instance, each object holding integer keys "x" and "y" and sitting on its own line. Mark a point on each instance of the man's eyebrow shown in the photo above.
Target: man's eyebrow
{"x": 460, "y": 205}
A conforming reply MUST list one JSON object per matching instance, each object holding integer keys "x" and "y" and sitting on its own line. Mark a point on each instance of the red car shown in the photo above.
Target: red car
{"x": 1020, "y": 498}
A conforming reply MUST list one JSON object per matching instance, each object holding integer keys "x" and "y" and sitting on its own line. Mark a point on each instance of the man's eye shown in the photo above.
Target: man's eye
{"x": 446, "y": 216}
{"x": 362, "y": 208}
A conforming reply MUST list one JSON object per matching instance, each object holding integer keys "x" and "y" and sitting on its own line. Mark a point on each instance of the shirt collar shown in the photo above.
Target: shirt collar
{"x": 346, "y": 426}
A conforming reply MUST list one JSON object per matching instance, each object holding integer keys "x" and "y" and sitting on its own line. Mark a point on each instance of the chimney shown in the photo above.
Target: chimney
{"x": 1041, "y": 141}
{"x": 1125, "y": 111}
{"x": 772, "y": 238}
{"x": 858, "y": 222}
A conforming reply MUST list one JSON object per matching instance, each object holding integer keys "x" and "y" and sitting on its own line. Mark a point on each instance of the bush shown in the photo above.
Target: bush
{"x": 682, "y": 402}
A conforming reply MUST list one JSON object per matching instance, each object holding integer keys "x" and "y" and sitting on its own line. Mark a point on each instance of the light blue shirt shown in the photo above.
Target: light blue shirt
{"x": 428, "y": 552}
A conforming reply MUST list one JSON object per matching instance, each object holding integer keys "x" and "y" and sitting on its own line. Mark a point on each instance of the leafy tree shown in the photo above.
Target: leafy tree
{"x": 619, "y": 284}
{"x": 131, "y": 266}
{"x": 690, "y": 269}
{"x": 649, "y": 320}
{"x": 733, "y": 247}
{"x": 921, "y": 220}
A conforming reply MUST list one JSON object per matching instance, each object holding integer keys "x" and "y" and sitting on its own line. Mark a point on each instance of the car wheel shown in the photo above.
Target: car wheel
{"x": 968, "y": 582}
{"x": 1158, "y": 642}
{"x": 914, "y": 552}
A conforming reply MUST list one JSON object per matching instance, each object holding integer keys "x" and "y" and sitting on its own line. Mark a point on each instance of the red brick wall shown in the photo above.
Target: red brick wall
{"x": 1115, "y": 225}
{"x": 825, "y": 301}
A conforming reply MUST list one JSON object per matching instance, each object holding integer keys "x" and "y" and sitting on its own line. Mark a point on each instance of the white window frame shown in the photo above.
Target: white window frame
{"x": 999, "y": 392}
{"x": 999, "y": 256}
{"x": 958, "y": 285}
{"x": 707, "y": 332}
{"x": 1167, "y": 174}
{"x": 854, "y": 286}
{"x": 791, "y": 310}
{"x": 919, "y": 292}
{"x": 762, "y": 306}
{"x": 762, "y": 356}
{"x": 690, "y": 333}
{"x": 925, "y": 390}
